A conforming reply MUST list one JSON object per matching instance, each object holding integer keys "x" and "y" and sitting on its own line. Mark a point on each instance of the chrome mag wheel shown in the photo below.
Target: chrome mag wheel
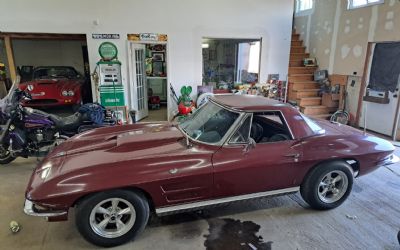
{"x": 333, "y": 186}
{"x": 112, "y": 218}
{"x": 4, "y": 153}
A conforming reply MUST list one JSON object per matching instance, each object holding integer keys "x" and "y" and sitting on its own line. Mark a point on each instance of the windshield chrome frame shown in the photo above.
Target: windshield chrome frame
{"x": 228, "y": 142}
{"x": 228, "y": 133}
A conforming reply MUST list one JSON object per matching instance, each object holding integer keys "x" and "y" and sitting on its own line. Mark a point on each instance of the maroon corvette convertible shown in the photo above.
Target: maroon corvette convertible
{"x": 233, "y": 148}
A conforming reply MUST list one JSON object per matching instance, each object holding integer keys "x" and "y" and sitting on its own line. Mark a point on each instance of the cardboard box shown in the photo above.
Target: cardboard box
{"x": 330, "y": 100}
{"x": 338, "y": 79}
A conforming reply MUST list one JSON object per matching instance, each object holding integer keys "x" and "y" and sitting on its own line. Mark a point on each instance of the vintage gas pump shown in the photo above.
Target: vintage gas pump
{"x": 110, "y": 81}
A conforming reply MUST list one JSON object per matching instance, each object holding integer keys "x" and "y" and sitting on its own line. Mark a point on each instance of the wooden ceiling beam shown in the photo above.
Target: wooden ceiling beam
{"x": 43, "y": 36}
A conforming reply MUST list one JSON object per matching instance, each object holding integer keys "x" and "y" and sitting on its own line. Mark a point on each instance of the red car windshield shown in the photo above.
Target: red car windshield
{"x": 55, "y": 72}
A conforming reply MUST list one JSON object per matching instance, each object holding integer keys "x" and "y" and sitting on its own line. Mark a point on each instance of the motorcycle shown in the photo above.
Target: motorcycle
{"x": 27, "y": 132}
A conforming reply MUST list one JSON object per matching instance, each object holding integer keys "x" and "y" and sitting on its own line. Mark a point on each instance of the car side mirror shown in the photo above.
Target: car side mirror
{"x": 250, "y": 145}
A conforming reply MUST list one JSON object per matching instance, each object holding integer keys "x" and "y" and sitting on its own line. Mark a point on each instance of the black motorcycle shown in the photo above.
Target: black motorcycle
{"x": 26, "y": 132}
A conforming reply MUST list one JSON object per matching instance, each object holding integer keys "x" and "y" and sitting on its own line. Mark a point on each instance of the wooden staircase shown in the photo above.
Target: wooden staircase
{"x": 302, "y": 88}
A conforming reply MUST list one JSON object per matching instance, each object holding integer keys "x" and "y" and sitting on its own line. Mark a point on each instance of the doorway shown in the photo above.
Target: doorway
{"x": 49, "y": 63}
{"x": 380, "y": 89}
{"x": 149, "y": 80}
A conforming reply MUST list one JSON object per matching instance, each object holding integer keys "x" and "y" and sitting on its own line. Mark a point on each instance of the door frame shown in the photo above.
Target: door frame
{"x": 131, "y": 71}
{"x": 363, "y": 88}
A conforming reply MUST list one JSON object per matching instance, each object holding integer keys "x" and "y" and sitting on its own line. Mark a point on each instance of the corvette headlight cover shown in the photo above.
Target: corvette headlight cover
{"x": 44, "y": 171}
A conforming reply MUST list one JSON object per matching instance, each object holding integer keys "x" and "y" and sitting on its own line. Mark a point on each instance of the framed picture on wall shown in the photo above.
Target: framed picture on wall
{"x": 158, "y": 56}
{"x": 158, "y": 68}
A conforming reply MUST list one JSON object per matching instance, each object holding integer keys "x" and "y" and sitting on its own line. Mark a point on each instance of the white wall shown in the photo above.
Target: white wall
{"x": 49, "y": 53}
{"x": 185, "y": 23}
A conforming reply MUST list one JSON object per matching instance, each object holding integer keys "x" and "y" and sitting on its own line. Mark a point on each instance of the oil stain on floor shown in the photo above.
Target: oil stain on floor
{"x": 234, "y": 234}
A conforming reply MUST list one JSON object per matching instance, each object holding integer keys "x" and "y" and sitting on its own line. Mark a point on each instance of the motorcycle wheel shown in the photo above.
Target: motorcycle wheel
{"x": 5, "y": 156}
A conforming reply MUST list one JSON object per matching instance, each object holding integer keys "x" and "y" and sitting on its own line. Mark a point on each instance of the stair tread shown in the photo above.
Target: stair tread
{"x": 296, "y": 74}
{"x": 299, "y": 53}
{"x": 302, "y": 82}
{"x": 309, "y": 98}
{"x": 306, "y": 90}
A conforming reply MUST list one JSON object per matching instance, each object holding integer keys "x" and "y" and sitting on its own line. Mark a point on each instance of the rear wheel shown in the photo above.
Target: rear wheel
{"x": 112, "y": 218}
{"x": 5, "y": 155}
{"x": 328, "y": 185}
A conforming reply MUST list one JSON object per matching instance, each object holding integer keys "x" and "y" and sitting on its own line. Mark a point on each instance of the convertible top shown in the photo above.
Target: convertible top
{"x": 249, "y": 102}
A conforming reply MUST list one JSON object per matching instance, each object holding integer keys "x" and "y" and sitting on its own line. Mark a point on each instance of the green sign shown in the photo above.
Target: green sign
{"x": 108, "y": 51}
{"x": 112, "y": 95}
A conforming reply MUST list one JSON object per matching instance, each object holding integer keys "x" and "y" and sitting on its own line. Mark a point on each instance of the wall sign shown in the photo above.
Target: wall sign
{"x": 105, "y": 36}
{"x": 108, "y": 51}
{"x": 152, "y": 37}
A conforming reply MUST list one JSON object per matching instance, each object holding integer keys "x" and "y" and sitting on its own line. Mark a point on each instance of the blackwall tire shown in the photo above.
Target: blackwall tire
{"x": 104, "y": 226}
{"x": 5, "y": 156}
{"x": 328, "y": 185}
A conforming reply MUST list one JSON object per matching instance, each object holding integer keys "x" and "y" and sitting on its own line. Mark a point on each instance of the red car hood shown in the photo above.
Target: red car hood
{"x": 51, "y": 86}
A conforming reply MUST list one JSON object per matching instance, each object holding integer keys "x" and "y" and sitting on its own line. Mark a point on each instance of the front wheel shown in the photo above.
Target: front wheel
{"x": 112, "y": 218}
{"x": 5, "y": 155}
{"x": 328, "y": 185}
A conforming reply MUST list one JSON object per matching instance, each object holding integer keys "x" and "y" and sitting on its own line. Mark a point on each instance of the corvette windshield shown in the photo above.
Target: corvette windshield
{"x": 54, "y": 72}
{"x": 209, "y": 124}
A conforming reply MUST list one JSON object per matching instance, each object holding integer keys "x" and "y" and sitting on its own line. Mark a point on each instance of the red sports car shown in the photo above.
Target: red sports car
{"x": 232, "y": 148}
{"x": 54, "y": 86}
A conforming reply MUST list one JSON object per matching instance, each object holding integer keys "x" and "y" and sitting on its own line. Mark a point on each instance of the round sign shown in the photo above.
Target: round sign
{"x": 108, "y": 51}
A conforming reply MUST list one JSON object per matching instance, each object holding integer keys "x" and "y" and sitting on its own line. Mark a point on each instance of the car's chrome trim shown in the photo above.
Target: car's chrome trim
{"x": 201, "y": 204}
{"x": 29, "y": 209}
{"x": 228, "y": 141}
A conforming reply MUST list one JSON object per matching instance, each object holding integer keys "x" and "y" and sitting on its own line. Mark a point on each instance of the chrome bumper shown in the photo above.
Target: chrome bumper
{"x": 29, "y": 209}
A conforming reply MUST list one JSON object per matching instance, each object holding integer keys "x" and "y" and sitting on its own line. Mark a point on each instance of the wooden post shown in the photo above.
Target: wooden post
{"x": 363, "y": 85}
{"x": 10, "y": 58}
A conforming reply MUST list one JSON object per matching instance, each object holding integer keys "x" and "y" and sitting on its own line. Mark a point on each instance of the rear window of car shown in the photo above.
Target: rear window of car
{"x": 313, "y": 125}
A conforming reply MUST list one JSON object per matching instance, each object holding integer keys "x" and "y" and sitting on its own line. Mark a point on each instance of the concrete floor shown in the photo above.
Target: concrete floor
{"x": 369, "y": 219}
{"x": 157, "y": 115}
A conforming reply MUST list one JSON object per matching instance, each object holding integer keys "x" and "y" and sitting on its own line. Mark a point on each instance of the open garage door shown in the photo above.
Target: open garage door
{"x": 56, "y": 65}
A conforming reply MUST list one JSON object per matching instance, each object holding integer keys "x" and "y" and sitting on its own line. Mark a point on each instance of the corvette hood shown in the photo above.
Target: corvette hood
{"x": 120, "y": 139}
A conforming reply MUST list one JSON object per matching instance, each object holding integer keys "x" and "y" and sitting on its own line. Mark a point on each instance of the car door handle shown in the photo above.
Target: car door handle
{"x": 296, "y": 155}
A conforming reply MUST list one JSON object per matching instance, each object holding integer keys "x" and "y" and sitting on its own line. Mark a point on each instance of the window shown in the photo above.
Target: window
{"x": 354, "y": 4}
{"x": 269, "y": 127}
{"x": 229, "y": 61}
{"x": 304, "y": 7}
{"x": 242, "y": 134}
